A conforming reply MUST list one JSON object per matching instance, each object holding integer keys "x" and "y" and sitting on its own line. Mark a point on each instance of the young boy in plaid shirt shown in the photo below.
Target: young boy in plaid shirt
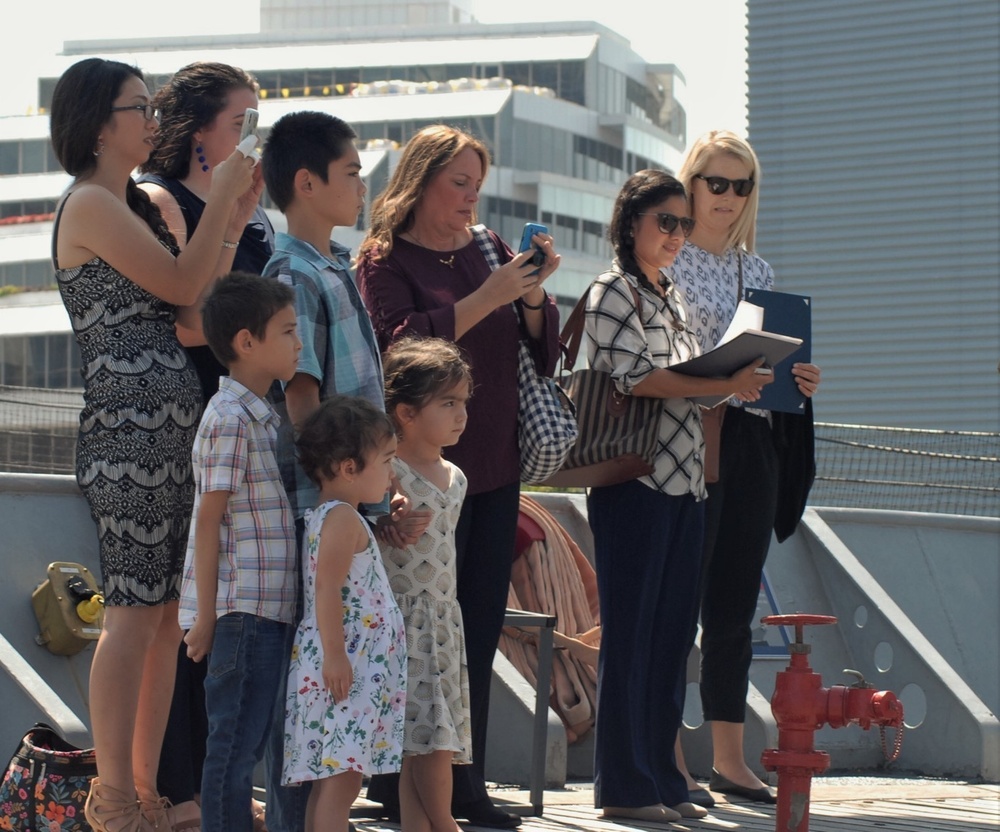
{"x": 241, "y": 572}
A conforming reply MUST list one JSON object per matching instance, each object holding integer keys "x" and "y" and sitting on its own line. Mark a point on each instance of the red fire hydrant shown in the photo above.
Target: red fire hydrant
{"x": 801, "y": 706}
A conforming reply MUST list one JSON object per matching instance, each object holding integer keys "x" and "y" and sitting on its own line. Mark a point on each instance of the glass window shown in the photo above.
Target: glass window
{"x": 10, "y": 273}
{"x": 519, "y": 73}
{"x": 318, "y": 79}
{"x": 9, "y": 157}
{"x": 38, "y": 275}
{"x": 545, "y": 74}
{"x": 33, "y": 157}
{"x": 13, "y": 361}
{"x": 567, "y": 230}
{"x": 58, "y": 350}
{"x": 46, "y": 86}
{"x": 453, "y": 71}
{"x": 571, "y": 81}
{"x": 374, "y": 73}
{"x": 269, "y": 84}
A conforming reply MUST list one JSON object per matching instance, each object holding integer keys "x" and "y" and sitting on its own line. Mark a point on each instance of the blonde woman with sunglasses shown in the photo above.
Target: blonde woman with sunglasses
{"x": 722, "y": 176}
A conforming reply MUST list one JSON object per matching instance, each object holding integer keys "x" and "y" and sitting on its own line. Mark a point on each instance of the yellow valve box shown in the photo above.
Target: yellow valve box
{"x": 69, "y": 608}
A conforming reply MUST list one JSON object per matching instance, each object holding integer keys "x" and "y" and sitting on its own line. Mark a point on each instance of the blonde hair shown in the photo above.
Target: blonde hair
{"x": 743, "y": 234}
{"x": 426, "y": 154}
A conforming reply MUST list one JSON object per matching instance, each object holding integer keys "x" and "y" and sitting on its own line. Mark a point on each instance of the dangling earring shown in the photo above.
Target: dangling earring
{"x": 201, "y": 157}
{"x": 99, "y": 149}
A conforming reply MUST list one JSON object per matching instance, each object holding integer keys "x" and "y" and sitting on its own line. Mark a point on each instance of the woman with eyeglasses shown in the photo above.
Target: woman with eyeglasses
{"x": 122, "y": 281}
{"x": 715, "y": 266}
{"x": 648, "y": 531}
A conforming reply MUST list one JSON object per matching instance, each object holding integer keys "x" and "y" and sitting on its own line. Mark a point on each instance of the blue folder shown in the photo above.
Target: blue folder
{"x": 785, "y": 314}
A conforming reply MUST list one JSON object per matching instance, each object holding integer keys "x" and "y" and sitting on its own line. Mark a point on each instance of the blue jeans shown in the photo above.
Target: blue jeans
{"x": 286, "y": 805}
{"x": 244, "y": 674}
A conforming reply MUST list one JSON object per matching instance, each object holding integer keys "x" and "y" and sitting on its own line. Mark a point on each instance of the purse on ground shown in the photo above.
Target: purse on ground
{"x": 546, "y": 418}
{"x": 617, "y": 433}
{"x": 46, "y": 783}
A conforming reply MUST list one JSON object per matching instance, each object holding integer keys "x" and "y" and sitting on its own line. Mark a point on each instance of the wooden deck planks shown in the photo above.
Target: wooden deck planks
{"x": 897, "y": 808}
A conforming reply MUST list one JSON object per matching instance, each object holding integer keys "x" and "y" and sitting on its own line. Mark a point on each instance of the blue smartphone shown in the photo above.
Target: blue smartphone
{"x": 530, "y": 230}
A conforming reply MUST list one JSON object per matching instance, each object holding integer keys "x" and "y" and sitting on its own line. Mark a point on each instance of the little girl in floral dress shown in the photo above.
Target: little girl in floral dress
{"x": 347, "y": 679}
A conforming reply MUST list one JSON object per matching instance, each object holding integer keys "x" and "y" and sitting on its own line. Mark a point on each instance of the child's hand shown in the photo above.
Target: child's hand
{"x": 337, "y": 676}
{"x": 199, "y": 638}
{"x": 399, "y": 530}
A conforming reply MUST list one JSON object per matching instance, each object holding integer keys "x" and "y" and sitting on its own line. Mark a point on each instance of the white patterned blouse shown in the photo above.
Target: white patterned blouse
{"x": 708, "y": 285}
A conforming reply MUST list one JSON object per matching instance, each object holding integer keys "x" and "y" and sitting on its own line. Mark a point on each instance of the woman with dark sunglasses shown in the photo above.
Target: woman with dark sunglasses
{"x": 648, "y": 531}
{"x": 716, "y": 265}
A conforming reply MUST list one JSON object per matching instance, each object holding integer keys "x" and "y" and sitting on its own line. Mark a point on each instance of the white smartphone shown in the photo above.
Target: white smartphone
{"x": 250, "y": 118}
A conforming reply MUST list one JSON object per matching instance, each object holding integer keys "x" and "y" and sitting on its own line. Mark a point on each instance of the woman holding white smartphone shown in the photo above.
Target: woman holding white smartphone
{"x": 206, "y": 109}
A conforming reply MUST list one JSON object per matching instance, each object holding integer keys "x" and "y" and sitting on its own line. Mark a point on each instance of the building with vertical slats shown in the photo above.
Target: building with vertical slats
{"x": 877, "y": 126}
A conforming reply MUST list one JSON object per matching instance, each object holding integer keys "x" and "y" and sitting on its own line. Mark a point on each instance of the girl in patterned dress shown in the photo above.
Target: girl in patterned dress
{"x": 347, "y": 678}
{"x": 427, "y": 389}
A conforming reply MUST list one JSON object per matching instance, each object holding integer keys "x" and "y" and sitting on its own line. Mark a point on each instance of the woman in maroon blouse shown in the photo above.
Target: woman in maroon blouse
{"x": 421, "y": 271}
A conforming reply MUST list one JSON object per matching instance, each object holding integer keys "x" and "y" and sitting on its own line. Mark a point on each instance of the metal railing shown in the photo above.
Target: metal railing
{"x": 858, "y": 466}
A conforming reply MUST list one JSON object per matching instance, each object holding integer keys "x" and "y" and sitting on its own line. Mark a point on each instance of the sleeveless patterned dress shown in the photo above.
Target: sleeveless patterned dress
{"x": 142, "y": 404}
{"x": 363, "y": 732}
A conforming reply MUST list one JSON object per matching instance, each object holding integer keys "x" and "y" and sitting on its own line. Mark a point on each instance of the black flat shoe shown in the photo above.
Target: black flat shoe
{"x": 718, "y": 783}
{"x": 484, "y": 813}
{"x": 701, "y": 797}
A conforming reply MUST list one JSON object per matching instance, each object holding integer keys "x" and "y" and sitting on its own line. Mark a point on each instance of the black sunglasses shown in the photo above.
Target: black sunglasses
{"x": 149, "y": 112}
{"x": 719, "y": 185}
{"x": 667, "y": 223}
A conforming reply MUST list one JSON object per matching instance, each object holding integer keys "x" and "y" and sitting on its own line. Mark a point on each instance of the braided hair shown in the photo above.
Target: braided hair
{"x": 642, "y": 190}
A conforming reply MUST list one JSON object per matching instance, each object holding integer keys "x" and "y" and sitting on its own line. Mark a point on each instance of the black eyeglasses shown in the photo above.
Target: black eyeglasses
{"x": 149, "y": 112}
{"x": 719, "y": 185}
{"x": 667, "y": 223}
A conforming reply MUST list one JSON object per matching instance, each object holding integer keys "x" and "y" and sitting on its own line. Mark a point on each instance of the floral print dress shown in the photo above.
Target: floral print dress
{"x": 365, "y": 731}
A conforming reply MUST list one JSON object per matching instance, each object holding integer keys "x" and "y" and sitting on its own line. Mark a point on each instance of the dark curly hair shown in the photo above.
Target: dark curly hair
{"x": 417, "y": 369}
{"x": 344, "y": 427}
{"x": 189, "y": 101}
{"x": 642, "y": 190}
{"x": 81, "y": 106}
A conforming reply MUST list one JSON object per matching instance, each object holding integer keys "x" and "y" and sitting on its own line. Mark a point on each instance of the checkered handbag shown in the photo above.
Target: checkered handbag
{"x": 546, "y": 415}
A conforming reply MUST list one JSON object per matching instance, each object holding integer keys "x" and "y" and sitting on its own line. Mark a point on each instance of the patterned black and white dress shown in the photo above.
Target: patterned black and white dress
{"x": 142, "y": 403}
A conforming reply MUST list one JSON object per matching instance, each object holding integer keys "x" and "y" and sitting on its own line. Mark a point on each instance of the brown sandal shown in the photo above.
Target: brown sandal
{"x": 105, "y": 805}
{"x": 162, "y": 814}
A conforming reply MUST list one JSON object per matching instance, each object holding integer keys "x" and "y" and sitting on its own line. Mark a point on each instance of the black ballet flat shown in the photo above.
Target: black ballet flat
{"x": 701, "y": 797}
{"x": 718, "y": 783}
{"x": 484, "y": 813}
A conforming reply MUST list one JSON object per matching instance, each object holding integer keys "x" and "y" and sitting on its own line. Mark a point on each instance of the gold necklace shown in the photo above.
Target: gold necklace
{"x": 449, "y": 261}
